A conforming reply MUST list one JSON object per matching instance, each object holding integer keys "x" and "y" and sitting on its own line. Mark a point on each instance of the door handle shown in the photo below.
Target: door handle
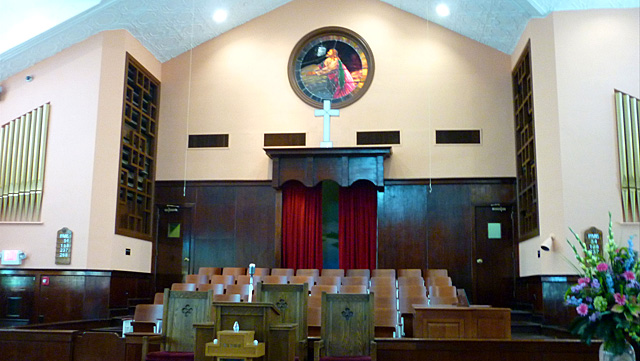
{"x": 479, "y": 261}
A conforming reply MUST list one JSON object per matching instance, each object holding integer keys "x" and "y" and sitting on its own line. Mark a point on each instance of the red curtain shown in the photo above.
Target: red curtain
{"x": 358, "y": 213}
{"x": 301, "y": 226}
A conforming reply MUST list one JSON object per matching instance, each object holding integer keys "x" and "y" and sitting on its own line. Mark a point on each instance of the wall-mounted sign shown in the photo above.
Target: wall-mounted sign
{"x": 63, "y": 246}
{"x": 593, "y": 236}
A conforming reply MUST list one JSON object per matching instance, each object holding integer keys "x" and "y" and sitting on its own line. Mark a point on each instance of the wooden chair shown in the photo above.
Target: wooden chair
{"x": 409, "y": 272}
{"x": 383, "y": 272}
{"x": 260, "y": 272}
{"x": 347, "y": 328}
{"x": 245, "y": 279}
{"x": 405, "y": 304}
{"x": 318, "y": 289}
{"x": 217, "y": 288}
{"x": 234, "y": 271}
{"x": 292, "y": 302}
{"x": 329, "y": 281}
{"x": 181, "y": 310}
{"x": 158, "y": 298}
{"x": 412, "y": 290}
{"x": 359, "y": 272}
{"x": 386, "y": 322}
{"x": 355, "y": 280}
{"x": 433, "y": 272}
{"x": 353, "y": 289}
{"x": 386, "y": 281}
{"x": 196, "y": 278}
{"x": 385, "y": 301}
{"x": 222, "y": 279}
{"x": 313, "y": 272}
{"x": 146, "y": 317}
{"x": 333, "y": 272}
{"x": 271, "y": 279}
{"x": 210, "y": 271}
{"x": 406, "y": 281}
{"x": 288, "y": 272}
{"x": 183, "y": 287}
{"x": 309, "y": 280}
{"x": 227, "y": 297}
{"x": 243, "y": 290}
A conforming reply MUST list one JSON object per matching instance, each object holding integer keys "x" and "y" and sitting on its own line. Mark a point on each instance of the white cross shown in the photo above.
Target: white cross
{"x": 327, "y": 113}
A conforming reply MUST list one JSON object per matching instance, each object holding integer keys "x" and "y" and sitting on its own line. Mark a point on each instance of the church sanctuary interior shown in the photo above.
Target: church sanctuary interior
{"x": 284, "y": 180}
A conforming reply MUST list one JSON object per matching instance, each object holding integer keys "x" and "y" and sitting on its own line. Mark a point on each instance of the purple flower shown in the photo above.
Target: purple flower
{"x": 594, "y": 317}
{"x": 629, "y": 276}
{"x": 595, "y": 283}
{"x": 577, "y": 288}
{"x": 583, "y": 309}
{"x": 620, "y": 299}
{"x": 602, "y": 267}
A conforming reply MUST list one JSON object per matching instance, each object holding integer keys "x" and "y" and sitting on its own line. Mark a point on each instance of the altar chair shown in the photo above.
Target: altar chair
{"x": 347, "y": 331}
{"x": 292, "y": 302}
{"x": 181, "y": 310}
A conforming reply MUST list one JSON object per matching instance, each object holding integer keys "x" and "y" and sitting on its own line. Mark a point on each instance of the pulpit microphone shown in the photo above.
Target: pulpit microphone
{"x": 252, "y": 271}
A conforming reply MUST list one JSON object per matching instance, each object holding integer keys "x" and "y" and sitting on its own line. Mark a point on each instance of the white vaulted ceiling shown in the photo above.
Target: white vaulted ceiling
{"x": 37, "y": 29}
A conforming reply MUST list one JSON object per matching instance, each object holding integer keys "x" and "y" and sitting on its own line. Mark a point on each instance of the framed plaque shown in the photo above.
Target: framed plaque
{"x": 63, "y": 246}
{"x": 331, "y": 63}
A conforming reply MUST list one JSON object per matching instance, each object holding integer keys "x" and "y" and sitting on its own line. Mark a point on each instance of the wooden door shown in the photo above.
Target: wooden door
{"x": 494, "y": 256}
{"x": 173, "y": 246}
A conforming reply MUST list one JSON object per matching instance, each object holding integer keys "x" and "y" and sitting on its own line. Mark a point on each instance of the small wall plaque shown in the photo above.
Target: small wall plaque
{"x": 63, "y": 246}
{"x": 593, "y": 236}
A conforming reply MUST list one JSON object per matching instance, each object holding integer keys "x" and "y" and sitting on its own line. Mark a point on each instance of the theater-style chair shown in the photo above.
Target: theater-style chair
{"x": 234, "y": 271}
{"x": 347, "y": 328}
{"x": 383, "y": 272}
{"x": 181, "y": 310}
{"x": 243, "y": 290}
{"x": 313, "y": 272}
{"x": 222, "y": 279}
{"x": 210, "y": 271}
{"x": 332, "y": 272}
{"x": 217, "y": 288}
{"x": 292, "y": 302}
{"x": 409, "y": 272}
{"x": 353, "y": 289}
{"x": 386, "y": 322}
{"x": 183, "y": 287}
{"x": 436, "y": 272}
{"x": 412, "y": 290}
{"x": 443, "y": 295}
{"x": 314, "y": 315}
{"x": 246, "y": 279}
{"x": 158, "y": 298}
{"x": 262, "y": 271}
{"x": 146, "y": 317}
{"x": 287, "y": 272}
{"x": 358, "y": 272}
{"x": 196, "y": 278}
{"x": 227, "y": 297}
{"x": 385, "y": 282}
{"x": 309, "y": 280}
{"x": 271, "y": 279}
{"x": 407, "y": 281}
{"x": 355, "y": 280}
{"x": 318, "y": 289}
{"x": 329, "y": 281}
{"x": 407, "y": 312}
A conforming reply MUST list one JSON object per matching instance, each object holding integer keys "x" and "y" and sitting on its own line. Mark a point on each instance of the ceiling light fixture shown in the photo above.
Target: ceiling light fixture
{"x": 220, "y": 16}
{"x": 443, "y": 10}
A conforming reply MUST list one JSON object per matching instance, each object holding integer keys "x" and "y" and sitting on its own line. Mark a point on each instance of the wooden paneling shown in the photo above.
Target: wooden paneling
{"x": 68, "y": 295}
{"x": 23, "y": 345}
{"x": 546, "y": 296}
{"x": 462, "y": 322}
{"x": 423, "y": 226}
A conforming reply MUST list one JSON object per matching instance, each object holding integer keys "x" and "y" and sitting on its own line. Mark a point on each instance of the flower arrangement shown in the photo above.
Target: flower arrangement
{"x": 606, "y": 295}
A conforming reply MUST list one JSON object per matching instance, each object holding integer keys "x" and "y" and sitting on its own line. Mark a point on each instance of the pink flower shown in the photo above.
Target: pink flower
{"x": 620, "y": 299}
{"x": 582, "y": 309}
{"x": 629, "y": 276}
{"x": 602, "y": 267}
{"x": 584, "y": 281}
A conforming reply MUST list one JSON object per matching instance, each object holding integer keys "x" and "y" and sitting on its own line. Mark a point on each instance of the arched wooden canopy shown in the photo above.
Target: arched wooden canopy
{"x": 345, "y": 166}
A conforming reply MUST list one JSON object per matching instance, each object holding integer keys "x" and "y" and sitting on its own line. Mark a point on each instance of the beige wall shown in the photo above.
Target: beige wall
{"x": 426, "y": 78}
{"x": 579, "y": 58}
{"x": 84, "y": 86}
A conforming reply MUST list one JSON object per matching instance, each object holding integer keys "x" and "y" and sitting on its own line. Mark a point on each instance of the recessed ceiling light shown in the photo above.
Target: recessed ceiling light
{"x": 220, "y": 16}
{"x": 443, "y": 10}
